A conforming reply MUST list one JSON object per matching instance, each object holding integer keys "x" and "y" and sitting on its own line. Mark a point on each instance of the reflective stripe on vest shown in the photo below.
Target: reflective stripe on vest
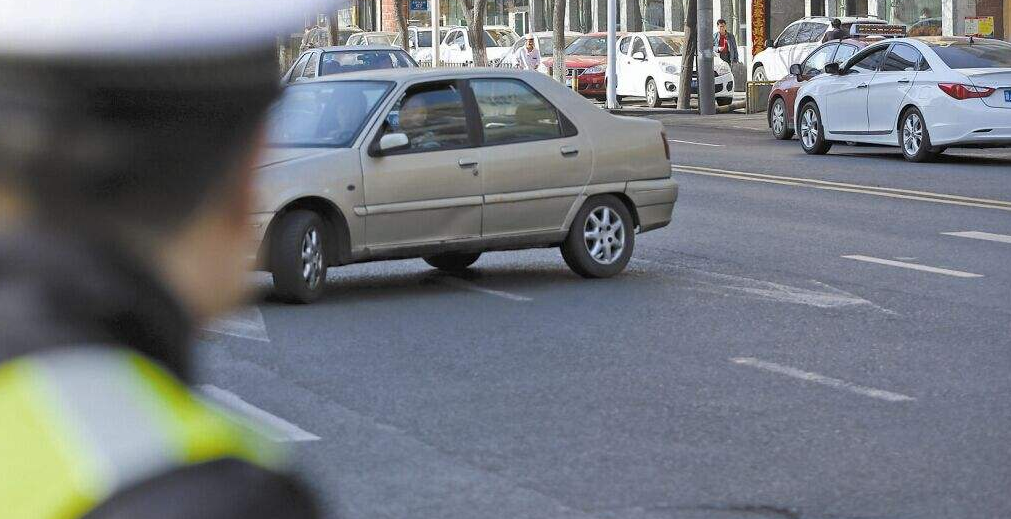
{"x": 77, "y": 425}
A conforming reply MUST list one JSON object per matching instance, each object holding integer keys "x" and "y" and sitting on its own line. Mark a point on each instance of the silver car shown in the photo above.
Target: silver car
{"x": 445, "y": 164}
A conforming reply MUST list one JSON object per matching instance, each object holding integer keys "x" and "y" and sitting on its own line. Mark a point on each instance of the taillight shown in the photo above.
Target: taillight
{"x": 960, "y": 91}
{"x": 666, "y": 145}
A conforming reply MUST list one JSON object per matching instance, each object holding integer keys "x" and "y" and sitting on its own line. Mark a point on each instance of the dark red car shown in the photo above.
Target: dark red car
{"x": 586, "y": 60}
{"x": 784, "y": 92}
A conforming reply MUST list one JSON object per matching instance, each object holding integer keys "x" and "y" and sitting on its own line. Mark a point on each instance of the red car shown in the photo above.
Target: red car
{"x": 784, "y": 92}
{"x": 586, "y": 59}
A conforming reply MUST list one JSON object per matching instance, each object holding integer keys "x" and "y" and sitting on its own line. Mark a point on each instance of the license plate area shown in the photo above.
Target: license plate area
{"x": 1007, "y": 95}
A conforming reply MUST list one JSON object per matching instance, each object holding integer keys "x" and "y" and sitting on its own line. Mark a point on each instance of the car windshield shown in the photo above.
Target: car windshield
{"x": 548, "y": 44}
{"x": 380, "y": 39}
{"x": 588, "y": 46}
{"x": 499, "y": 38}
{"x": 329, "y": 114}
{"x": 979, "y": 54}
{"x": 343, "y": 61}
{"x": 664, "y": 45}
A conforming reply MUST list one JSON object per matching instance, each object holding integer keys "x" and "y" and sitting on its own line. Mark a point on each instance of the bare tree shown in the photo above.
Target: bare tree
{"x": 475, "y": 14}
{"x": 331, "y": 19}
{"x": 558, "y": 60}
{"x": 401, "y": 7}
{"x": 688, "y": 57}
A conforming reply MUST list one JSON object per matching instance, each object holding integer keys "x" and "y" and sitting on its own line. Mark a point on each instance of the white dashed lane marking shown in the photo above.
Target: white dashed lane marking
{"x": 978, "y": 235}
{"x": 835, "y": 383}
{"x": 913, "y": 266}
{"x": 696, "y": 143}
{"x": 275, "y": 428}
{"x": 467, "y": 285}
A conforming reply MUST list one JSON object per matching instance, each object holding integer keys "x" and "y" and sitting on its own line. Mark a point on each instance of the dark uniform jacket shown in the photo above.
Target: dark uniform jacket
{"x": 58, "y": 290}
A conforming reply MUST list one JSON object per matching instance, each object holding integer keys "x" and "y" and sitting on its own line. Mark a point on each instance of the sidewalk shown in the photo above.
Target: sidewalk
{"x": 636, "y": 106}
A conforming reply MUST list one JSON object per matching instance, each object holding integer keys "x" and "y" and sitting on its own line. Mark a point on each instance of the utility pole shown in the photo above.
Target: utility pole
{"x": 707, "y": 81}
{"x": 611, "y": 77}
{"x": 434, "y": 6}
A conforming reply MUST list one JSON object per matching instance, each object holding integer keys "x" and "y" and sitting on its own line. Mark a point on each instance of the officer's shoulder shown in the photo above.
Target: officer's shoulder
{"x": 219, "y": 489}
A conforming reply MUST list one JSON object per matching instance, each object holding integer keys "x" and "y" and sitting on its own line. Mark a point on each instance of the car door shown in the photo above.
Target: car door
{"x": 450, "y": 49}
{"x": 777, "y": 67}
{"x": 888, "y": 88}
{"x": 431, "y": 190}
{"x": 534, "y": 161}
{"x": 844, "y": 106}
{"x": 623, "y": 66}
{"x": 638, "y": 69}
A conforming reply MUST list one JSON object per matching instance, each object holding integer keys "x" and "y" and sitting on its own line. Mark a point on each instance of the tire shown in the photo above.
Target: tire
{"x": 452, "y": 261}
{"x": 811, "y": 130}
{"x": 778, "y": 122}
{"x": 759, "y": 74}
{"x": 652, "y": 94}
{"x": 298, "y": 257}
{"x": 914, "y": 138}
{"x": 608, "y": 253}
{"x": 724, "y": 101}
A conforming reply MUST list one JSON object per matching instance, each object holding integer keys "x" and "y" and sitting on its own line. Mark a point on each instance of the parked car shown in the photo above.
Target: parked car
{"x": 795, "y": 43}
{"x": 420, "y": 42}
{"x": 319, "y": 36}
{"x": 371, "y": 38}
{"x": 926, "y": 27}
{"x": 544, "y": 42}
{"x": 337, "y": 60}
{"x": 445, "y": 164}
{"x": 586, "y": 60}
{"x": 649, "y": 65}
{"x": 456, "y": 47}
{"x": 921, "y": 94}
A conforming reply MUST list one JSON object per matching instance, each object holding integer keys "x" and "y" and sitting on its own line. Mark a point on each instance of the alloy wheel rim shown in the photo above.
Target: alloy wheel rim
{"x": 604, "y": 235}
{"x": 651, "y": 93}
{"x": 760, "y": 75}
{"x": 778, "y": 117}
{"x": 312, "y": 258}
{"x": 912, "y": 134}
{"x": 809, "y": 128}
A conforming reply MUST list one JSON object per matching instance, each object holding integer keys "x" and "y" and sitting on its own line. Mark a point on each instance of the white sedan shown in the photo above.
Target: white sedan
{"x": 920, "y": 94}
{"x": 649, "y": 65}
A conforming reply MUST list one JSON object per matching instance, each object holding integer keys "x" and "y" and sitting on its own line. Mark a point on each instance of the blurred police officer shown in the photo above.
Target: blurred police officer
{"x": 129, "y": 130}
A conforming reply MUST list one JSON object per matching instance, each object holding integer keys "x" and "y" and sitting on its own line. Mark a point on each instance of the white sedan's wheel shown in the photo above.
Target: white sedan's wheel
{"x": 812, "y": 134}
{"x": 652, "y": 96}
{"x": 759, "y": 74}
{"x": 914, "y": 138}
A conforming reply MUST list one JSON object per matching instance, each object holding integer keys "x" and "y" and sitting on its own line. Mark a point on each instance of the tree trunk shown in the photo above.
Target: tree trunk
{"x": 401, "y": 7}
{"x": 688, "y": 59}
{"x": 558, "y": 60}
{"x": 475, "y": 13}
{"x": 333, "y": 28}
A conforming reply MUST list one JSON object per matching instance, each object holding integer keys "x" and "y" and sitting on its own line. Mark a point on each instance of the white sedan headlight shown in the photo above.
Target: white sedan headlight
{"x": 596, "y": 69}
{"x": 671, "y": 69}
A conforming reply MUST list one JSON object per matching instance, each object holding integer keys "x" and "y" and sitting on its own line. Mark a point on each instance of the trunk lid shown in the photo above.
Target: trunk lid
{"x": 997, "y": 78}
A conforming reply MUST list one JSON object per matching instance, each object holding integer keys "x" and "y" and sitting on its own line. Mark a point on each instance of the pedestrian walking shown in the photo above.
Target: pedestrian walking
{"x": 529, "y": 58}
{"x": 126, "y": 168}
{"x": 836, "y": 32}
{"x": 724, "y": 43}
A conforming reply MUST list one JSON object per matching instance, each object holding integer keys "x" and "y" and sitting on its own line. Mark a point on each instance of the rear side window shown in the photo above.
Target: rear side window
{"x": 810, "y": 32}
{"x": 844, "y": 53}
{"x": 789, "y": 36}
{"x": 310, "y": 67}
{"x": 638, "y": 46}
{"x": 902, "y": 58}
{"x": 869, "y": 62}
{"x": 981, "y": 54}
{"x": 299, "y": 68}
{"x": 512, "y": 112}
{"x": 815, "y": 63}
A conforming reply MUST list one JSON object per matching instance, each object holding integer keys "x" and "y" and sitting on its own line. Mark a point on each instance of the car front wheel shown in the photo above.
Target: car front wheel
{"x": 759, "y": 74}
{"x": 652, "y": 96}
{"x": 812, "y": 132}
{"x": 914, "y": 139}
{"x": 298, "y": 257}
{"x": 778, "y": 121}
{"x": 601, "y": 239}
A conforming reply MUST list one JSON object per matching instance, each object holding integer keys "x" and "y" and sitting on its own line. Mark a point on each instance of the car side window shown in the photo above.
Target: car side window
{"x": 845, "y": 52}
{"x": 869, "y": 61}
{"x": 299, "y": 67}
{"x": 638, "y": 46}
{"x": 310, "y": 67}
{"x": 815, "y": 63}
{"x": 623, "y": 46}
{"x": 789, "y": 35}
{"x": 901, "y": 58}
{"x": 810, "y": 32}
{"x": 432, "y": 116}
{"x": 512, "y": 112}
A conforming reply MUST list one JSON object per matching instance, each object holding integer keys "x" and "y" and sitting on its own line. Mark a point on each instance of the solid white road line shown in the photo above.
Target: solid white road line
{"x": 467, "y": 285}
{"x": 978, "y": 235}
{"x": 822, "y": 379}
{"x": 246, "y": 324}
{"x": 696, "y": 143}
{"x": 275, "y": 428}
{"x": 913, "y": 266}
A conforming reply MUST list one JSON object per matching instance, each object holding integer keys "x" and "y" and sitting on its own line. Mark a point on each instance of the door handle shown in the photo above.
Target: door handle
{"x": 569, "y": 151}
{"x": 862, "y": 85}
{"x": 468, "y": 164}
{"x": 904, "y": 80}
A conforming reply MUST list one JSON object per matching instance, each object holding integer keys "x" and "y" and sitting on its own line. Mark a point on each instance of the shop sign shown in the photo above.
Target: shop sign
{"x": 419, "y": 5}
{"x": 979, "y": 26}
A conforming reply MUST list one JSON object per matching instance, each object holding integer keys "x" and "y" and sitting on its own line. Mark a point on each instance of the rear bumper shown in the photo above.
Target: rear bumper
{"x": 968, "y": 122}
{"x": 654, "y": 201}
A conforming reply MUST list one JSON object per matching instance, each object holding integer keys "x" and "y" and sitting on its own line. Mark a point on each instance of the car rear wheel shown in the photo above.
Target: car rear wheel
{"x": 778, "y": 121}
{"x": 452, "y": 261}
{"x": 759, "y": 74}
{"x": 812, "y": 132}
{"x": 601, "y": 238}
{"x": 652, "y": 96}
{"x": 914, "y": 139}
{"x": 298, "y": 257}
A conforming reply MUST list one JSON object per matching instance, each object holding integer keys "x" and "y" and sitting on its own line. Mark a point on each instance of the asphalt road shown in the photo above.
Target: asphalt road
{"x": 743, "y": 367}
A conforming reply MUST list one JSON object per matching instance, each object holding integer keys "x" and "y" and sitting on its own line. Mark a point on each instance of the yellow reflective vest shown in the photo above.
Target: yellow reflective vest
{"x": 79, "y": 424}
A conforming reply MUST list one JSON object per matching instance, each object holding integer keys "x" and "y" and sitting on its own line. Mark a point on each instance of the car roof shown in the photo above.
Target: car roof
{"x": 338, "y": 48}
{"x": 843, "y": 19}
{"x": 658, "y": 33}
{"x": 403, "y": 75}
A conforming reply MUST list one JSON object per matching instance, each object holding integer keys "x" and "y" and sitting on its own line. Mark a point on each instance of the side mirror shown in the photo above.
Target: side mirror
{"x": 832, "y": 68}
{"x": 795, "y": 70}
{"x": 462, "y": 46}
{"x": 393, "y": 142}
{"x": 770, "y": 44}
{"x": 640, "y": 55}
